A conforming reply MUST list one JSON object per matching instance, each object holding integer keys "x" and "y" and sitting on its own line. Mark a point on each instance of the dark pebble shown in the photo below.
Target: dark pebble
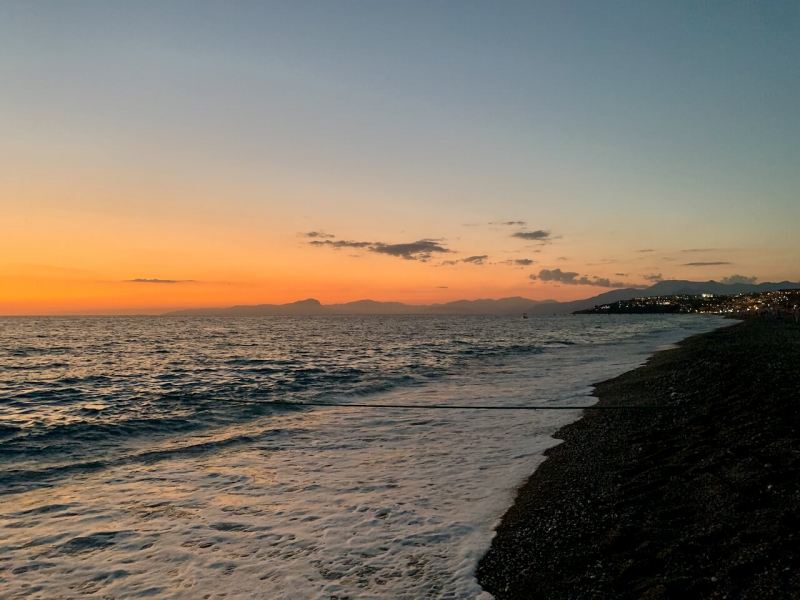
{"x": 701, "y": 500}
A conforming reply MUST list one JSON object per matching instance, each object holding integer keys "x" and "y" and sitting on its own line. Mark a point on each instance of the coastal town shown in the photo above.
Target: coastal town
{"x": 757, "y": 304}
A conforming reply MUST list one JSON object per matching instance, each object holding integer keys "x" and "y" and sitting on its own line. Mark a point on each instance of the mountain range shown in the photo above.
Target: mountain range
{"x": 503, "y": 306}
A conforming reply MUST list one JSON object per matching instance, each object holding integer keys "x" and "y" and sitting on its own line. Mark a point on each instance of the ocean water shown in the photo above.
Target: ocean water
{"x": 140, "y": 457}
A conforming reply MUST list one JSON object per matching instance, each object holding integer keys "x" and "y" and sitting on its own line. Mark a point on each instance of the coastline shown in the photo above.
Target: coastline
{"x": 699, "y": 500}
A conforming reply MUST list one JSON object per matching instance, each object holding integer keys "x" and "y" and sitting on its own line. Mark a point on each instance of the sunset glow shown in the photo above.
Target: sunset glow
{"x": 177, "y": 156}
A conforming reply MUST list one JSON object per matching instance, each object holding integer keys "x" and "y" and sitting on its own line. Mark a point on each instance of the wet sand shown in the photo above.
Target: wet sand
{"x": 698, "y": 500}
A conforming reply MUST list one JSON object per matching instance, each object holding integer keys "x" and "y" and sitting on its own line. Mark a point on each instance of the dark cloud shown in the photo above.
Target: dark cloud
{"x": 700, "y": 250}
{"x": 419, "y": 250}
{"x": 341, "y": 244}
{"x": 739, "y": 279}
{"x": 655, "y": 277}
{"x": 621, "y": 274}
{"x": 318, "y": 234}
{"x": 704, "y": 264}
{"x": 524, "y": 262}
{"x": 475, "y": 260}
{"x": 140, "y": 280}
{"x": 646, "y": 250}
{"x": 571, "y": 278}
{"x": 540, "y": 235}
{"x": 518, "y": 223}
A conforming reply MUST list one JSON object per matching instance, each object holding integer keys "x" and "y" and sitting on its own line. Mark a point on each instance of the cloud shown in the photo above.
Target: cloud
{"x": 646, "y": 250}
{"x": 317, "y": 234}
{"x": 700, "y": 250}
{"x": 140, "y": 280}
{"x": 540, "y": 235}
{"x": 442, "y": 287}
{"x": 341, "y": 244}
{"x": 621, "y": 274}
{"x": 523, "y": 262}
{"x": 738, "y": 279}
{"x": 475, "y": 260}
{"x": 419, "y": 250}
{"x": 571, "y": 278}
{"x": 518, "y": 223}
{"x": 656, "y": 277}
{"x": 704, "y": 264}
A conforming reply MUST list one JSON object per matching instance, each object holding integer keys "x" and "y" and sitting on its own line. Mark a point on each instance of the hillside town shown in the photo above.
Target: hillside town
{"x": 757, "y": 304}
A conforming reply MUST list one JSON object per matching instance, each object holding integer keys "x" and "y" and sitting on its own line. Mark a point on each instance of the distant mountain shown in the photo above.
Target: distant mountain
{"x": 301, "y": 307}
{"x": 503, "y": 306}
{"x": 670, "y": 287}
{"x": 676, "y": 286}
{"x": 564, "y": 308}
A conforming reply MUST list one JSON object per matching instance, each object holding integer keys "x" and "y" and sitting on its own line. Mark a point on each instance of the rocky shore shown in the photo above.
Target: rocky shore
{"x": 697, "y": 500}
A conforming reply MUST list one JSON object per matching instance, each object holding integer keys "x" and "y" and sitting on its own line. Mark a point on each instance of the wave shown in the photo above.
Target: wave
{"x": 15, "y": 480}
{"x": 81, "y": 391}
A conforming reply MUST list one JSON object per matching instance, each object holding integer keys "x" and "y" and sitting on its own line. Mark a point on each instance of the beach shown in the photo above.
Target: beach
{"x": 697, "y": 499}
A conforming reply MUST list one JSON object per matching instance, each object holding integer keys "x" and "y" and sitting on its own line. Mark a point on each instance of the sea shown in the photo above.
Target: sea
{"x": 169, "y": 457}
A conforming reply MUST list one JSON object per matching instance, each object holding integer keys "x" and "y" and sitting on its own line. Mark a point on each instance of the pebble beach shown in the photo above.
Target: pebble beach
{"x": 698, "y": 498}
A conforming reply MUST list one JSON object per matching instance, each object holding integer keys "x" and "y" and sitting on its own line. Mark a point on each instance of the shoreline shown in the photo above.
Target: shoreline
{"x": 699, "y": 500}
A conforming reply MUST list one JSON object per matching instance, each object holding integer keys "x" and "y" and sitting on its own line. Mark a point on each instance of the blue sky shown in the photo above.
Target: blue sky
{"x": 616, "y": 126}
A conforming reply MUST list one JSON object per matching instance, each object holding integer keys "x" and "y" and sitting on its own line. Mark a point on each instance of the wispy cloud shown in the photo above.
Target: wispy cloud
{"x": 646, "y": 250}
{"x": 540, "y": 235}
{"x": 571, "y": 278}
{"x": 621, "y": 274}
{"x": 421, "y": 250}
{"x": 705, "y": 264}
{"x": 318, "y": 234}
{"x": 142, "y": 280}
{"x": 517, "y": 223}
{"x": 475, "y": 260}
{"x": 341, "y": 244}
{"x": 700, "y": 250}
{"x": 654, "y": 277}
{"x": 522, "y": 262}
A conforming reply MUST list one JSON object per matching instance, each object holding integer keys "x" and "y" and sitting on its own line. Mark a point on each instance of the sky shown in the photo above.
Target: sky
{"x": 163, "y": 155}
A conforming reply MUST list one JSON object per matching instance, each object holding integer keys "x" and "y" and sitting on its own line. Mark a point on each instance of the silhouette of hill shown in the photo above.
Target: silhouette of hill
{"x": 503, "y": 306}
{"x": 669, "y": 287}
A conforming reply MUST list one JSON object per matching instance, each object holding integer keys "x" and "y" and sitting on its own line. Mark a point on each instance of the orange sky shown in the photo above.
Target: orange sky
{"x": 202, "y": 150}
